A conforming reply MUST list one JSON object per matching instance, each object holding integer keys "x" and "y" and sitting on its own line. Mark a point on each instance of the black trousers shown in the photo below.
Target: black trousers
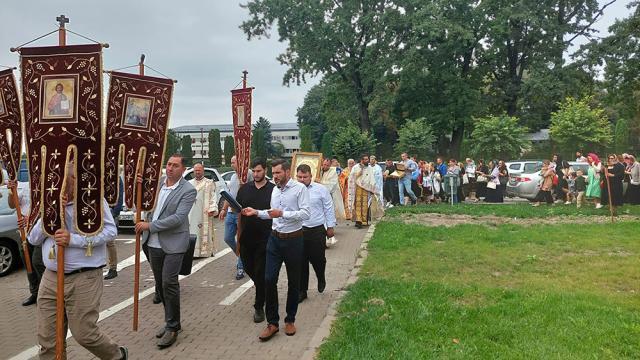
{"x": 37, "y": 265}
{"x": 288, "y": 251}
{"x": 165, "y": 269}
{"x": 314, "y": 253}
{"x": 545, "y": 196}
{"x": 253, "y": 253}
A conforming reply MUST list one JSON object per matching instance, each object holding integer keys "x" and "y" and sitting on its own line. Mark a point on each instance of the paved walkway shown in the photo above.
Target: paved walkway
{"x": 217, "y": 311}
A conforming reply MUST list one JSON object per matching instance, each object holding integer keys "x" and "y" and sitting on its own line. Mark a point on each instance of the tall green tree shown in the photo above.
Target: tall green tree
{"x": 326, "y": 148}
{"x": 265, "y": 125}
{"x": 186, "y": 151}
{"x": 306, "y": 138}
{"x": 229, "y": 150}
{"x": 416, "y": 138}
{"x": 258, "y": 146}
{"x": 621, "y": 136}
{"x": 352, "y": 39}
{"x": 278, "y": 150}
{"x": 351, "y": 143}
{"x": 215, "y": 149}
{"x": 578, "y": 126}
{"x": 172, "y": 145}
{"x": 498, "y": 137}
{"x": 312, "y": 114}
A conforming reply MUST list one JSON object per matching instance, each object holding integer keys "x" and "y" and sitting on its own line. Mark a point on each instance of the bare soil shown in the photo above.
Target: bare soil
{"x": 430, "y": 219}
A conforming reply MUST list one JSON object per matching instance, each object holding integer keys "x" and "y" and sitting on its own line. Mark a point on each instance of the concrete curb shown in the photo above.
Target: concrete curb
{"x": 324, "y": 330}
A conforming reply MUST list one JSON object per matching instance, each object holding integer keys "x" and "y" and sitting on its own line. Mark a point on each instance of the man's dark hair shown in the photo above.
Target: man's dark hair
{"x": 259, "y": 161}
{"x": 363, "y": 155}
{"x": 304, "y": 168}
{"x": 284, "y": 163}
{"x": 178, "y": 156}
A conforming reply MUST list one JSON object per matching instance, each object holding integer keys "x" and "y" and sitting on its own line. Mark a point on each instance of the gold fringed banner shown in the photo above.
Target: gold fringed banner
{"x": 62, "y": 95}
{"x": 241, "y": 109}
{"x": 10, "y": 125}
{"x": 137, "y": 122}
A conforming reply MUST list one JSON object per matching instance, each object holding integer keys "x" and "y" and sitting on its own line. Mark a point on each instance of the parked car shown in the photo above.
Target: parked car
{"x": 226, "y": 176}
{"x": 10, "y": 241}
{"x": 527, "y": 183}
{"x": 213, "y": 174}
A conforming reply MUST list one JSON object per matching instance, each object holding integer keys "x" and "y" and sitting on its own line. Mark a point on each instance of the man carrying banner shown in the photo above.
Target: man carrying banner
{"x": 231, "y": 218}
{"x": 202, "y": 213}
{"x": 83, "y": 281}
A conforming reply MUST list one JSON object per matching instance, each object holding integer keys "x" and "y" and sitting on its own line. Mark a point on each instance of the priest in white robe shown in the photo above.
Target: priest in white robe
{"x": 202, "y": 213}
{"x": 329, "y": 178}
{"x": 363, "y": 199}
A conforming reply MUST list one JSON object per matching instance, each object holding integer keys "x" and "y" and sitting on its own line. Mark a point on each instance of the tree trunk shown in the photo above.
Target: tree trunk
{"x": 456, "y": 141}
{"x": 363, "y": 109}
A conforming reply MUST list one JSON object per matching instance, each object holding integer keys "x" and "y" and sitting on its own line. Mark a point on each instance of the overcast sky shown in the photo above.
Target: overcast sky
{"x": 196, "y": 42}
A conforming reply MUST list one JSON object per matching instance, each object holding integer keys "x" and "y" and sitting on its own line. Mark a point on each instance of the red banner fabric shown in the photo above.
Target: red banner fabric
{"x": 241, "y": 109}
{"x": 137, "y": 121}
{"x": 10, "y": 125}
{"x": 62, "y": 95}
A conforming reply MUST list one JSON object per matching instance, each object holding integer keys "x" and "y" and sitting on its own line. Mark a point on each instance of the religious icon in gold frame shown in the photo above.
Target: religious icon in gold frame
{"x": 314, "y": 160}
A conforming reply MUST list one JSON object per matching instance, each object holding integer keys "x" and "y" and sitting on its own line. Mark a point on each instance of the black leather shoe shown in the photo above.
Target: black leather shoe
{"x": 258, "y": 315}
{"x": 156, "y": 299}
{"x": 167, "y": 339}
{"x": 160, "y": 332}
{"x": 30, "y": 300}
{"x": 322, "y": 283}
{"x": 124, "y": 352}
{"x": 301, "y": 296}
{"x": 111, "y": 274}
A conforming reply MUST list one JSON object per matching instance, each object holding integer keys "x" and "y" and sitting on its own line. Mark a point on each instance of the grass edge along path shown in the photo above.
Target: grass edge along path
{"x": 403, "y": 307}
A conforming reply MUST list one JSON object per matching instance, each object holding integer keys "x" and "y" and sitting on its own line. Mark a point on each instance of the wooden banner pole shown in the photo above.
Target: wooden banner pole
{"x": 23, "y": 235}
{"x": 60, "y": 311}
{"x": 136, "y": 271}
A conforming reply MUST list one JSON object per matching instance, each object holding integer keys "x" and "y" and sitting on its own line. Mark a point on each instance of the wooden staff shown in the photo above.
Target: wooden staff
{"x": 606, "y": 176}
{"x": 136, "y": 271}
{"x": 23, "y": 235}
{"x": 60, "y": 333}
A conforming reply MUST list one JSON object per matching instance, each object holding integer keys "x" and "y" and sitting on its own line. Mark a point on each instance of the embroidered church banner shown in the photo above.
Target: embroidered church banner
{"x": 62, "y": 96}
{"x": 10, "y": 125}
{"x": 137, "y": 121}
{"x": 241, "y": 109}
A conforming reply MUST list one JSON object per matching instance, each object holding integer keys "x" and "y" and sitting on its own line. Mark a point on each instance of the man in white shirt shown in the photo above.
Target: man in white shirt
{"x": 314, "y": 233}
{"x": 289, "y": 208}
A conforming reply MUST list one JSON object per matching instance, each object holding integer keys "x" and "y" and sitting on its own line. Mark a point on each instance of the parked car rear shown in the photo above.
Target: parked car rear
{"x": 526, "y": 184}
{"x": 10, "y": 241}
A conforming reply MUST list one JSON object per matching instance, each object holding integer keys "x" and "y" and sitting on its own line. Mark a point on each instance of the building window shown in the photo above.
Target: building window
{"x": 194, "y": 153}
{"x": 193, "y": 140}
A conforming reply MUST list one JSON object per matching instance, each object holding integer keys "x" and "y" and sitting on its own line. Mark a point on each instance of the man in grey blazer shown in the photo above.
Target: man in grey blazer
{"x": 166, "y": 234}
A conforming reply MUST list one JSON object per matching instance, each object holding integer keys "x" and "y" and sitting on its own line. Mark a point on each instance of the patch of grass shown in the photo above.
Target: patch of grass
{"x": 553, "y": 292}
{"x": 519, "y": 210}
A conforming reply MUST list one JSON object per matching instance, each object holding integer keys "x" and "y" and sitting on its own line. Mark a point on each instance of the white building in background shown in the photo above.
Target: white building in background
{"x": 285, "y": 133}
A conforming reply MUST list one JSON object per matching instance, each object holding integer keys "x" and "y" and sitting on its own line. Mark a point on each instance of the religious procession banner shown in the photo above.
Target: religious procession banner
{"x": 62, "y": 96}
{"x": 10, "y": 125}
{"x": 137, "y": 121}
{"x": 241, "y": 109}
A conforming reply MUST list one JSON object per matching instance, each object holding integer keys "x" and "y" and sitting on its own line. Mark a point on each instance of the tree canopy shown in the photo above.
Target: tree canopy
{"x": 578, "y": 126}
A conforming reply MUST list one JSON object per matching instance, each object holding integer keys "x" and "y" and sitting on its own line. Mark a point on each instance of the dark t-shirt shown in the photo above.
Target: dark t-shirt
{"x": 254, "y": 228}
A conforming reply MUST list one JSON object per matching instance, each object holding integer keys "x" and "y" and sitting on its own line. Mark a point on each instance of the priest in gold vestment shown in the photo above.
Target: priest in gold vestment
{"x": 363, "y": 200}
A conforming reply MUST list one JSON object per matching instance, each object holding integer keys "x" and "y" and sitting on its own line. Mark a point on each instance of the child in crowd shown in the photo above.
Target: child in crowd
{"x": 571, "y": 188}
{"x": 580, "y": 186}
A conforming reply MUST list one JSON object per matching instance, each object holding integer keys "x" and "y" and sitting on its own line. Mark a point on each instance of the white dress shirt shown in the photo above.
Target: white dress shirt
{"x": 74, "y": 254}
{"x": 293, "y": 200}
{"x": 165, "y": 190}
{"x": 320, "y": 207}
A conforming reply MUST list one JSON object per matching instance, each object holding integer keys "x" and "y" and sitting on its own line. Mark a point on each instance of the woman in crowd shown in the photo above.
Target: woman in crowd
{"x": 482, "y": 176}
{"x": 461, "y": 193}
{"x": 593, "y": 179}
{"x": 426, "y": 183}
{"x": 563, "y": 171}
{"x": 503, "y": 178}
{"x": 494, "y": 193}
{"x": 470, "y": 171}
{"x": 546, "y": 185}
{"x": 612, "y": 180}
{"x": 633, "y": 189}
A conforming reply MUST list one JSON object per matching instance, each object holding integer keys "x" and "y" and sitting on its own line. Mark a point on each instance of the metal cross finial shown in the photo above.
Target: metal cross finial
{"x": 62, "y": 20}
{"x": 244, "y": 78}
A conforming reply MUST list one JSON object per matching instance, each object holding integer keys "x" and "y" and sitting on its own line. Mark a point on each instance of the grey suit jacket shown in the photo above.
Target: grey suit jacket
{"x": 172, "y": 225}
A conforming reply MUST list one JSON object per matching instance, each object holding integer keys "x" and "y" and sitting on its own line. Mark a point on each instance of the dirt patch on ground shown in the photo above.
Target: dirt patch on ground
{"x": 430, "y": 219}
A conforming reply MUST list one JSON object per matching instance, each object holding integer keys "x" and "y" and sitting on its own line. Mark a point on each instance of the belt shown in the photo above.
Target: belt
{"x": 291, "y": 235}
{"x": 84, "y": 269}
{"x": 305, "y": 228}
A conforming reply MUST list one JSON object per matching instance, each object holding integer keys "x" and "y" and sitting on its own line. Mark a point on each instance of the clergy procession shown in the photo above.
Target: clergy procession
{"x": 86, "y": 164}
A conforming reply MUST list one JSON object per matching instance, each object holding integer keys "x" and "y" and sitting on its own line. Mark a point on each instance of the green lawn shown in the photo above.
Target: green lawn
{"x": 553, "y": 292}
{"x": 520, "y": 210}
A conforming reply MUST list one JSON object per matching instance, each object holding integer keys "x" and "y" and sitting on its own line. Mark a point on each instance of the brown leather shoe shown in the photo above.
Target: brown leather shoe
{"x": 289, "y": 329}
{"x": 268, "y": 332}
